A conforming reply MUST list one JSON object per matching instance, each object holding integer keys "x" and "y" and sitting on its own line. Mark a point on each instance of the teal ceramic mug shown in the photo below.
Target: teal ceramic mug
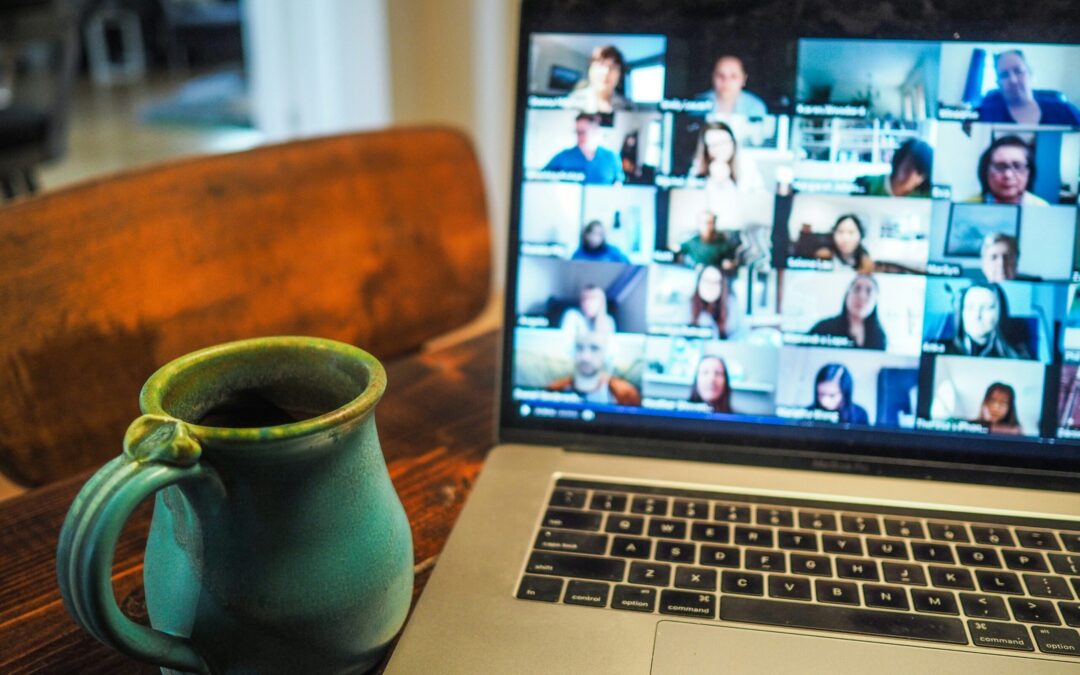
{"x": 278, "y": 543}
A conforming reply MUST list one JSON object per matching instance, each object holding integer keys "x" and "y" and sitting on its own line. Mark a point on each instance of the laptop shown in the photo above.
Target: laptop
{"x": 789, "y": 378}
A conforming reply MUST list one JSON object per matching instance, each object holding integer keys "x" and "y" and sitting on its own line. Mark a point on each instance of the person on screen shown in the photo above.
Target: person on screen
{"x": 858, "y": 318}
{"x": 598, "y": 92}
{"x": 728, "y": 94}
{"x": 591, "y": 315}
{"x": 998, "y": 410}
{"x": 980, "y": 315}
{"x": 998, "y": 258}
{"x": 1015, "y": 101}
{"x": 912, "y": 164}
{"x": 711, "y": 384}
{"x": 594, "y": 246}
{"x": 833, "y": 392}
{"x": 599, "y": 164}
{"x": 718, "y": 161}
{"x": 709, "y": 246}
{"x": 591, "y": 379}
{"x": 709, "y": 304}
{"x": 845, "y": 247}
{"x": 1006, "y": 171}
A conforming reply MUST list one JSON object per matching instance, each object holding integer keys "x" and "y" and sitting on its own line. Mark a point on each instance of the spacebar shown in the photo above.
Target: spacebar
{"x": 843, "y": 619}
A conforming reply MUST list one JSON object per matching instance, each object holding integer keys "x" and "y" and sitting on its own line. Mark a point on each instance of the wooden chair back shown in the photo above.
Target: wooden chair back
{"x": 376, "y": 239}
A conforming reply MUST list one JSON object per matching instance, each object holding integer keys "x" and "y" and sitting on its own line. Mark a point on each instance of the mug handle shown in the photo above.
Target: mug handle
{"x": 159, "y": 451}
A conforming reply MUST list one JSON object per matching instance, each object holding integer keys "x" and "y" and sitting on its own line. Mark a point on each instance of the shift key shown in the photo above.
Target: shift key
{"x": 572, "y": 520}
{"x": 580, "y": 566}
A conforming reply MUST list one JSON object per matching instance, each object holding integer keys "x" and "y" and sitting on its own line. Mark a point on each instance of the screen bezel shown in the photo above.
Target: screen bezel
{"x": 943, "y": 457}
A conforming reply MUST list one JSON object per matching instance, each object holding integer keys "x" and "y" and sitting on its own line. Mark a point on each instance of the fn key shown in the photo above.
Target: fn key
{"x": 544, "y": 589}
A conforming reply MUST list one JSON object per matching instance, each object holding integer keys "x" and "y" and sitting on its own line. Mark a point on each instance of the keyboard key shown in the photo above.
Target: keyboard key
{"x": 544, "y": 589}
{"x": 837, "y": 592}
{"x": 1040, "y": 539}
{"x": 653, "y": 574}
{"x": 1064, "y": 641}
{"x": 1047, "y": 587}
{"x": 1027, "y": 561}
{"x": 938, "y": 553}
{"x": 695, "y": 578}
{"x": 896, "y": 527}
{"x": 798, "y": 541}
{"x": 685, "y": 603}
{"x": 767, "y": 561}
{"x": 573, "y": 520}
{"x": 999, "y": 635}
{"x": 589, "y": 593}
{"x": 817, "y": 520}
{"x": 999, "y": 582}
{"x": 717, "y": 534}
{"x": 1071, "y": 541}
{"x": 974, "y": 556}
{"x": 857, "y": 568}
{"x": 843, "y": 619}
{"x": 631, "y": 547}
{"x": 951, "y": 577}
{"x": 719, "y": 556}
{"x": 1065, "y": 563}
{"x": 838, "y": 543}
{"x": 572, "y": 542}
{"x": 568, "y": 499}
{"x": 984, "y": 606}
{"x": 619, "y": 524}
{"x": 608, "y": 502}
{"x": 994, "y": 536}
{"x": 1070, "y": 611}
{"x": 743, "y": 583}
{"x": 732, "y": 513}
{"x": 791, "y": 588}
{"x": 777, "y": 517}
{"x": 934, "y": 602}
{"x": 650, "y": 506}
{"x": 753, "y": 536}
{"x": 570, "y": 565}
{"x": 675, "y": 551}
{"x": 892, "y": 597}
{"x": 1034, "y": 611}
{"x": 817, "y": 565}
{"x": 634, "y": 598}
{"x": 860, "y": 524}
{"x": 901, "y": 573}
{"x": 668, "y": 529}
{"x": 887, "y": 548}
{"x": 690, "y": 509}
{"x": 956, "y": 532}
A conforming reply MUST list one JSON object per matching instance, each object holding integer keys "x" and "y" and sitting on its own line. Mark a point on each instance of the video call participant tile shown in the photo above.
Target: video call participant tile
{"x": 581, "y": 296}
{"x": 709, "y": 301}
{"x": 969, "y": 397}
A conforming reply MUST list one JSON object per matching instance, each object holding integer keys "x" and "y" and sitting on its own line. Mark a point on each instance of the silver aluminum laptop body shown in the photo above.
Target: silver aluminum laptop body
{"x": 469, "y": 618}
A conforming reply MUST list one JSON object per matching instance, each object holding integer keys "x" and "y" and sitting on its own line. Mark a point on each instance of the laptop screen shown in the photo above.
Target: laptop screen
{"x": 849, "y": 233}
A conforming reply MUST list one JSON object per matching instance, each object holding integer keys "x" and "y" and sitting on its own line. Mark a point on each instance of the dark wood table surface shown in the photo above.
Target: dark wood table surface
{"x": 436, "y": 424}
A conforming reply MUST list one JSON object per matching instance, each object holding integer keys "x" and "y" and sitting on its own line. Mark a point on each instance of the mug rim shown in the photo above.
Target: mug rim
{"x": 153, "y": 392}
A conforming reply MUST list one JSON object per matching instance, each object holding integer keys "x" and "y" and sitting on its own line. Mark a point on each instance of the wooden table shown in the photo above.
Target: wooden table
{"x": 436, "y": 423}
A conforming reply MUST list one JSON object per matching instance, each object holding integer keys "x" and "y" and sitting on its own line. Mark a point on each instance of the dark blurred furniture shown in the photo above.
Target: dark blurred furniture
{"x": 376, "y": 239}
{"x": 38, "y": 57}
{"x": 209, "y": 29}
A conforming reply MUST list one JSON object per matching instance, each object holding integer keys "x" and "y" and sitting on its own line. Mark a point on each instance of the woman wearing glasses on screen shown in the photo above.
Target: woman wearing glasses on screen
{"x": 1016, "y": 101}
{"x": 998, "y": 410}
{"x": 981, "y": 316}
{"x": 833, "y": 389}
{"x": 1006, "y": 171}
{"x": 858, "y": 318}
{"x": 711, "y": 384}
{"x": 845, "y": 247}
{"x": 597, "y": 93}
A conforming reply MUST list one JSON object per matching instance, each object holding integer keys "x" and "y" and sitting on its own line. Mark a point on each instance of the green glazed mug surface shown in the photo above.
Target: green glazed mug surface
{"x": 278, "y": 543}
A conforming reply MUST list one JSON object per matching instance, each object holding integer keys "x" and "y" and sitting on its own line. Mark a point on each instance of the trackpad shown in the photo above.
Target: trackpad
{"x": 682, "y": 648}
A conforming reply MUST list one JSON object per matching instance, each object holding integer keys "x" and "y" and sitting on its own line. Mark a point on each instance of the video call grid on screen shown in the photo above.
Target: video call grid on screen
{"x": 877, "y": 238}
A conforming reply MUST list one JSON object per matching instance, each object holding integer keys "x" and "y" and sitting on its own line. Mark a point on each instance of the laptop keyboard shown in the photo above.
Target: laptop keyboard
{"x": 999, "y": 583}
